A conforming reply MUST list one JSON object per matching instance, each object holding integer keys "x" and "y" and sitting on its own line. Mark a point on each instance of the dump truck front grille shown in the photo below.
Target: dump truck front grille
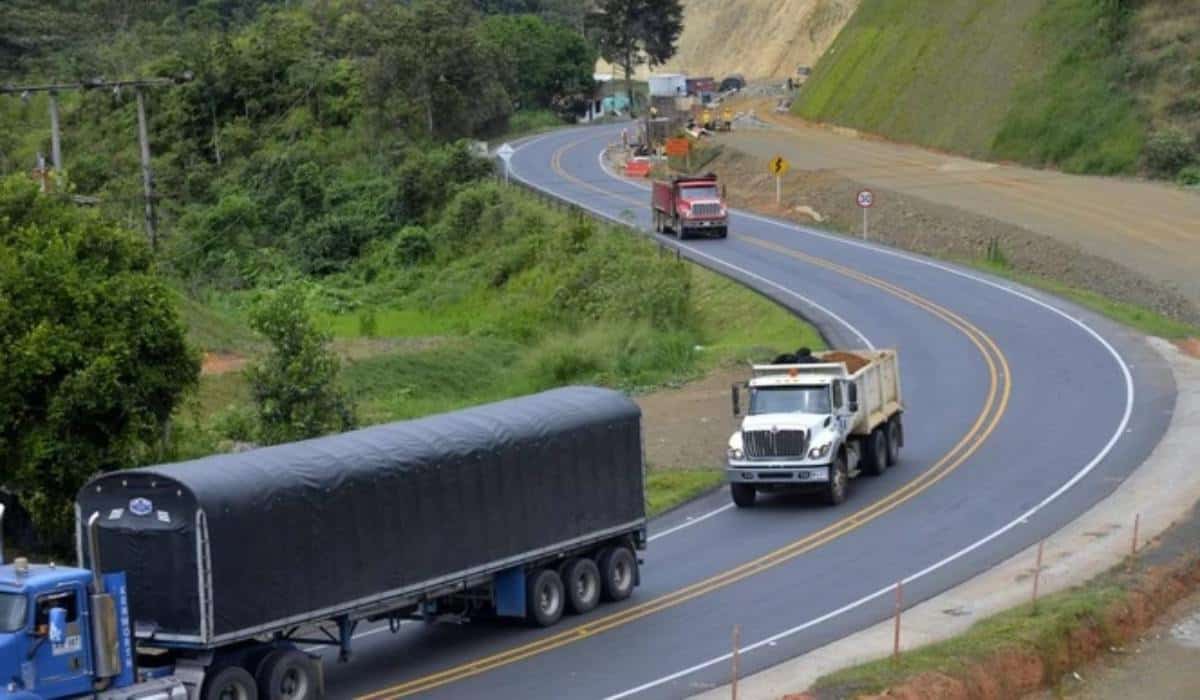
{"x": 706, "y": 210}
{"x": 771, "y": 444}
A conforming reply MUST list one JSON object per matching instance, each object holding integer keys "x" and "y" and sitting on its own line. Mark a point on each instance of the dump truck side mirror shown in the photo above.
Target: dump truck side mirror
{"x": 735, "y": 394}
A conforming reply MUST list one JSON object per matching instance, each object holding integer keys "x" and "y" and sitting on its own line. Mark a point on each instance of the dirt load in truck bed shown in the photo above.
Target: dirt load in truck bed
{"x": 853, "y": 362}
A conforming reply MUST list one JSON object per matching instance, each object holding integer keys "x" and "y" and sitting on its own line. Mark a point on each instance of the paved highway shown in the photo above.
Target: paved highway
{"x": 1022, "y": 411}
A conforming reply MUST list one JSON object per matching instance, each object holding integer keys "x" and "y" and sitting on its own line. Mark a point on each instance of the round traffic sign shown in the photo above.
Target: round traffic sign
{"x": 866, "y": 199}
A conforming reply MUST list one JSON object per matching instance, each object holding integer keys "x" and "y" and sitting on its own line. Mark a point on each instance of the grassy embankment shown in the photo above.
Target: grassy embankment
{"x": 1020, "y": 628}
{"x": 1090, "y": 86}
{"x": 529, "y": 299}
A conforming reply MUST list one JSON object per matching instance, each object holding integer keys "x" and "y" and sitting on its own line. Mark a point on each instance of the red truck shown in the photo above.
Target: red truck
{"x": 690, "y": 205}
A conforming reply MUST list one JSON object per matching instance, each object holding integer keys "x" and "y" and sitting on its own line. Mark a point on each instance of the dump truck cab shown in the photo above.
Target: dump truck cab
{"x": 690, "y": 206}
{"x": 815, "y": 425}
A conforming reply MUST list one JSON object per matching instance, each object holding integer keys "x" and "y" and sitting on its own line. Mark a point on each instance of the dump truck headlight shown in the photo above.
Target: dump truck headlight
{"x": 819, "y": 452}
{"x": 735, "y": 453}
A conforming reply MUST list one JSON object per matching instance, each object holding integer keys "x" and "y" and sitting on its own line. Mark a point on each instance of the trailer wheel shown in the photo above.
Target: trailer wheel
{"x": 839, "y": 482}
{"x": 544, "y": 598}
{"x": 876, "y": 452}
{"x": 581, "y": 578}
{"x": 287, "y": 674}
{"x": 618, "y": 571}
{"x": 230, "y": 683}
{"x": 743, "y": 495}
{"x": 894, "y": 439}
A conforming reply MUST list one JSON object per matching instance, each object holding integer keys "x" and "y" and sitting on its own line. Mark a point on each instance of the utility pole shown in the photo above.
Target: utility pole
{"x": 55, "y": 136}
{"x": 143, "y": 133}
{"x": 147, "y": 174}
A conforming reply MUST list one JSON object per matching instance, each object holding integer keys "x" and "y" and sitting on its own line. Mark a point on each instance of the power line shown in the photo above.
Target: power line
{"x": 138, "y": 85}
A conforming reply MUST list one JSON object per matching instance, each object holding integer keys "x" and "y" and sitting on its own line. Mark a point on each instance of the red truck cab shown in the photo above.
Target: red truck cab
{"x": 692, "y": 205}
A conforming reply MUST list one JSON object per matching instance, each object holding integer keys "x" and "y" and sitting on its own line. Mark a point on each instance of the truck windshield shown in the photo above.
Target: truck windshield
{"x": 789, "y": 399}
{"x": 701, "y": 192}
{"x": 12, "y": 612}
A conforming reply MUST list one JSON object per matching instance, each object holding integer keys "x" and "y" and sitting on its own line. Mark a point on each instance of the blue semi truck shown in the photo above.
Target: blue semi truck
{"x": 200, "y": 580}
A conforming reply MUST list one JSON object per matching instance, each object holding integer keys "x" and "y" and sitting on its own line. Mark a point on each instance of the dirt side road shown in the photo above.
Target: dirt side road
{"x": 1152, "y": 229}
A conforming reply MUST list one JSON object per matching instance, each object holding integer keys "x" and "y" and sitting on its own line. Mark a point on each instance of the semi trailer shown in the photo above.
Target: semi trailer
{"x": 816, "y": 424}
{"x": 203, "y": 579}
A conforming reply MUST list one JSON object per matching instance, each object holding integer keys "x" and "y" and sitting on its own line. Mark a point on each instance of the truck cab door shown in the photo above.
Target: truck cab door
{"x": 839, "y": 400}
{"x": 62, "y": 665}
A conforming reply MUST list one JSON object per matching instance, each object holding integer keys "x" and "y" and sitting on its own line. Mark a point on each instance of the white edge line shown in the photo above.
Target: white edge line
{"x": 691, "y": 522}
{"x": 1129, "y": 398}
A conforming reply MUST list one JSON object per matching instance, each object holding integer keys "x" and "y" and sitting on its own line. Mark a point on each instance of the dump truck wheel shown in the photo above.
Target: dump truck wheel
{"x": 544, "y": 598}
{"x": 743, "y": 495}
{"x": 875, "y": 459}
{"x": 893, "y": 441}
{"x": 581, "y": 578}
{"x": 230, "y": 683}
{"x": 839, "y": 482}
{"x": 618, "y": 573}
{"x": 287, "y": 674}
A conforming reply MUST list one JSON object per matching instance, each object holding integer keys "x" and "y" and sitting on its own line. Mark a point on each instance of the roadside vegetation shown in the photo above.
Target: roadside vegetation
{"x": 1088, "y": 86}
{"x": 1043, "y": 632}
{"x": 329, "y": 242}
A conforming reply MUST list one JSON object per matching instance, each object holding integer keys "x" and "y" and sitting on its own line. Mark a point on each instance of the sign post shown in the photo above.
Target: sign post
{"x": 866, "y": 200}
{"x": 778, "y": 167}
{"x": 505, "y": 153}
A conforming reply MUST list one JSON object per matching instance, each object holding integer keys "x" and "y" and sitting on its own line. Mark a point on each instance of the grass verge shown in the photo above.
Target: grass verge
{"x": 1043, "y": 632}
{"x": 667, "y": 488}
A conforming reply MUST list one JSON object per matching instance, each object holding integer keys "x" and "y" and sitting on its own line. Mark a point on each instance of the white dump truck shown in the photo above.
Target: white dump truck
{"x": 815, "y": 424}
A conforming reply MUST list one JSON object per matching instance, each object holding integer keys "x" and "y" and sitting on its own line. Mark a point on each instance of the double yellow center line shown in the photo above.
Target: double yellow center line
{"x": 999, "y": 390}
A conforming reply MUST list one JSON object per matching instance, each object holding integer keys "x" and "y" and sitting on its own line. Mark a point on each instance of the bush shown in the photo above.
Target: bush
{"x": 1189, "y": 176}
{"x": 295, "y": 387}
{"x": 1168, "y": 152}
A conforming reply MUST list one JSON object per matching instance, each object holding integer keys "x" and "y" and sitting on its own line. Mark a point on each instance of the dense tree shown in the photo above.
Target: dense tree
{"x": 434, "y": 71}
{"x": 632, "y": 32}
{"x": 92, "y": 353}
{"x": 569, "y": 13}
{"x": 547, "y": 65}
{"x": 295, "y": 387}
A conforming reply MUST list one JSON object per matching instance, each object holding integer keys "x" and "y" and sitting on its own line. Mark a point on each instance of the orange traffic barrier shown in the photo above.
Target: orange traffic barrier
{"x": 637, "y": 167}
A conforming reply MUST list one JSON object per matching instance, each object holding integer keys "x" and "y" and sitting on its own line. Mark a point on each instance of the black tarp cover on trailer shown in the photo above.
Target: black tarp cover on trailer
{"x": 313, "y": 527}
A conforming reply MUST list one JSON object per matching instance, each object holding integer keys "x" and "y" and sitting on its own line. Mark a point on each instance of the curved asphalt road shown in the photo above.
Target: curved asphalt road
{"x": 1022, "y": 411}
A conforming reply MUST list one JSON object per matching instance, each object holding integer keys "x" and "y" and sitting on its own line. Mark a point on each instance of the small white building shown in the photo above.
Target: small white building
{"x": 668, "y": 85}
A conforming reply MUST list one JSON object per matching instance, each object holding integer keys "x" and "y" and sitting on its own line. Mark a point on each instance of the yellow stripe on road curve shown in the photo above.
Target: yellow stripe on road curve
{"x": 995, "y": 405}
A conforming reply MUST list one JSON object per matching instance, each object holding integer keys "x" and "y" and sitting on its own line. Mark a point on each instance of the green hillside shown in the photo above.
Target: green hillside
{"x": 1076, "y": 84}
